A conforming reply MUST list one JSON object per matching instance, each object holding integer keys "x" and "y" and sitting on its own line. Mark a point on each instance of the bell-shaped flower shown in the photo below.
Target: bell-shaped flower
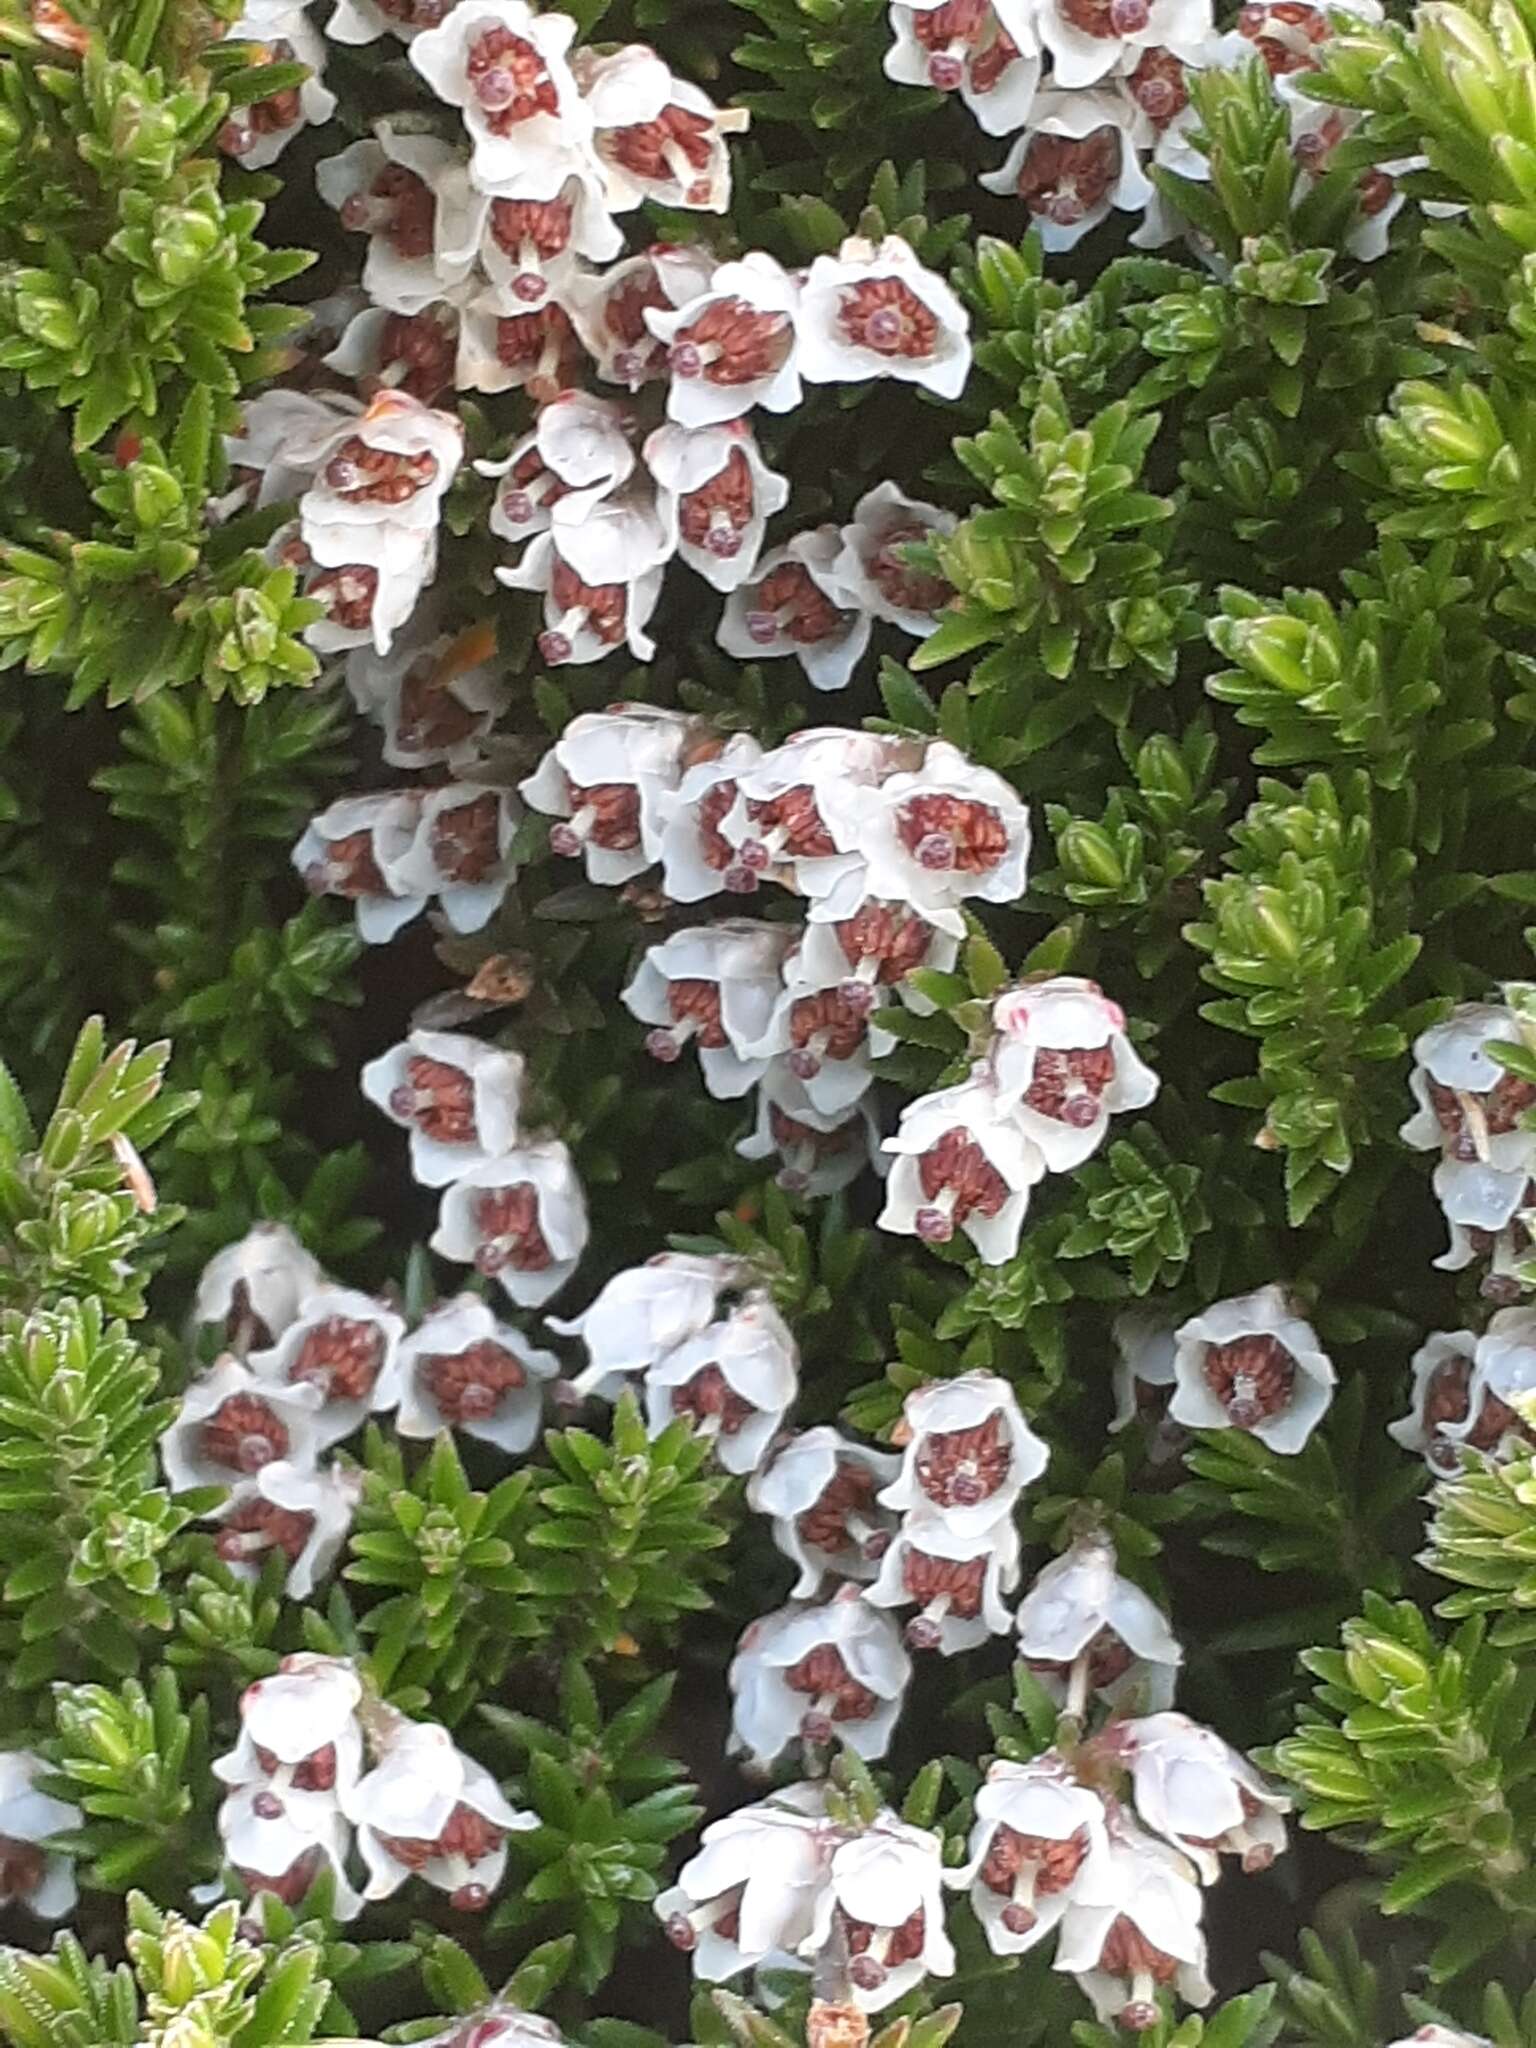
{"x": 339, "y": 1344}
{"x": 364, "y": 21}
{"x": 657, "y": 137}
{"x": 875, "y": 310}
{"x": 531, "y": 249}
{"x": 1499, "y": 1404}
{"x": 821, "y": 1151}
{"x": 520, "y": 1219}
{"x": 825, "y": 1036}
{"x": 1434, "y": 2036}
{"x": 461, "y": 852}
{"x": 1252, "y": 1363}
{"x": 986, "y": 50}
{"x": 463, "y": 1369}
{"x": 1088, "y": 41}
{"x": 800, "y": 809}
{"x": 256, "y": 135}
{"x": 818, "y": 1675}
{"x": 644, "y": 1313}
{"x": 871, "y": 565}
{"x": 1289, "y": 34}
{"x": 955, "y": 1578}
{"x": 794, "y": 604}
{"x": 233, "y": 1421}
{"x": 283, "y": 1842}
{"x": 873, "y": 950}
{"x": 733, "y": 346}
{"x": 609, "y": 309}
{"x": 577, "y": 454}
{"x": 300, "y": 1512}
{"x": 735, "y": 1380}
{"x": 1084, "y": 1623}
{"x": 583, "y": 620}
{"x": 820, "y": 1488}
{"x": 353, "y": 849}
{"x": 1144, "y": 1370}
{"x": 1484, "y": 1210}
{"x": 31, "y": 1873}
{"x": 697, "y": 858}
{"x": 1441, "y": 1398}
{"x": 716, "y": 985}
{"x": 1133, "y": 1928}
{"x": 1198, "y": 1793}
{"x": 363, "y": 603}
{"x": 1075, "y": 162}
{"x": 416, "y": 353}
{"x": 299, "y": 1728}
{"x": 254, "y": 1288}
{"x": 506, "y": 346}
{"x": 427, "y": 1810}
{"x": 968, "y": 1454}
{"x": 883, "y": 1902}
{"x": 1470, "y": 1107}
{"x": 961, "y": 1163}
{"x": 434, "y": 695}
{"x": 506, "y": 65}
{"x": 1063, "y": 1065}
{"x": 384, "y": 472}
{"x": 1036, "y": 1832}
{"x": 749, "y": 1892}
{"x": 605, "y": 779}
{"x": 392, "y": 186}
{"x": 497, "y": 2025}
{"x": 721, "y": 495}
{"x": 459, "y": 1098}
{"x": 269, "y": 452}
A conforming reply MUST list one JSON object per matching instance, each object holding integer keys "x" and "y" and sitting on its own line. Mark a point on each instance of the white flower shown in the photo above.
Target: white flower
{"x": 1486, "y": 1212}
{"x": 956, "y": 1579}
{"x": 1133, "y": 1925}
{"x": 435, "y": 695}
{"x": 530, "y": 247}
{"x": 644, "y": 1313}
{"x": 614, "y": 537}
{"x": 609, "y": 308}
{"x": 269, "y": 454}
{"x": 1441, "y": 1397}
{"x": 377, "y": 478}
{"x": 735, "y": 1379}
{"x": 282, "y": 1842}
{"x": 463, "y": 1369}
{"x": 1442, "y": 2037}
{"x": 801, "y": 810}
{"x": 605, "y": 778}
{"x": 961, "y": 1163}
{"x": 717, "y": 985}
{"x": 402, "y": 191}
{"x": 820, "y": 1489}
{"x": 585, "y": 621}
{"x": 821, "y": 1151}
{"x": 577, "y": 454}
{"x": 749, "y": 1892}
{"x": 870, "y": 568}
{"x": 969, "y": 1455}
{"x": 232, "y": 1422}
{"x": 339, "y": 1344}
{"x": 353, "y": 849}
{"x": 504, "y": 346}
{"x": 697, "y": 858}
{"x": 1063, "y": 1065}
{"x": 496, "y": 2025}
{"x": 257, "y": 135}
{"x": 294, "y": 1509}
{"x": 1036, "y": 1832}
{"x": 428, "y": 1810}
{"x": 365, "y": 602}
{"x": 1200, "y": 1794}
{"x": 794, "y": 604}
{"x": 364, "y": 21}
{"x": 884, "y": 1898}
{"x": 1143, "y": 1364}
{"x": 876, "y": 948}
{"x": 1503, "y": 1379}
{"x": 298, "y": 1728}
{"x": 459, "y": 1098}
{"x": 522, "y": 1219}
{"x": 1470, "y": 1106}
{"x": 823, "y": 1030}
{"x": 1089, "y": 39}
{"x": 460, "y": 851}
{"x": 1159, "y": 85}
{"x": 253, "y": 1289}
{"x": 658, "y": 137}
{"x": 1253, "y": 1364}
{"x": 32, "y": 1874}
{"x": 988, "y": 54}
{"x": 722, "y": 495}
{"x": 874, "y": 310}
{"x": 1075, "y": 161}
{"x": 506, "y": 66}
{"x": 818, "y": 1674}
{"x": 1084, "y": 1623}
{"x": 1289, "y": 36}
{"x": 734, "y": 345}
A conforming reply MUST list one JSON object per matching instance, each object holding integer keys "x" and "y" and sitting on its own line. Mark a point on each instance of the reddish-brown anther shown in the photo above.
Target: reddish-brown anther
{"x": 349, "y": 868}
{"x": 649, "y": 149}
{"x": 829, "y": 1016}
{"x": 821, "y": 1674}
{"x": 361, "y": 474}
{"x": 790, "y": 602}
{"x": 21, "y": 1867}
{"x": 289, "y": 1885}
{"x": 508, "y": 1220}
{"x": 700, "y": 1001}
{"x": 931, "y": 1578}
{"x": 1068, "y": 1085}
{"x": 732, "y": 343}
{"x": 467, "y": 1833}
{"x": 1056, "y": 1862}
{"x": 718, "y": 513}
{"x": 470, "y": 1385}
{"x": 509, "y": 80}
{"x": 850, "y": 1491}
{"x": 466, "y": 843}
{"x": 341, "y": 1356}
{"x": 1501, "y": 1107}
{"x": 543, "y": 223}
{"x": 1065, "y": 177}
{"x": 1159, "y": 85}
{"x": 1251, "y": 1377}
{"x": 952, "y": 832}
{"x": 896, "y": 939}
{"x": 960, "y": 1468}
{"x": 243, "y": 1433}
{"x": 956, "y": 1165}
{"x": 615, "y": 809}
{"x": 795, "y": 814}
{"x": 347, "y": 594}
{"x": 909, "y": 589}
{"x": 315, "y": 1773}
{"x": 886, "y": 315}
{"x": 709, "y": 1394}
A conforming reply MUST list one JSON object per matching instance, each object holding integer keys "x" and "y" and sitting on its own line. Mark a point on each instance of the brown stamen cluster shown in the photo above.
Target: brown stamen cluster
{"x": 850, "y": 1491}
{"x": 466, "y": 839}
{"x": 805, "y": 833}
{"x": 615, "y": 808}
{"x": 349, "y": 868}
{"x": 439, "y": 1098}
{"x": 708, "y": 1394}
{"x": 960, "y": 1468}
{"x": 1056, "y": 1861}
{"x": 643, "y": 150}
{"x": 289, "y": 1885}
{"x": 700, "y": 1000}
{"x": 274, "y": 115}
{"x": 243, "y": 1433}
{"x": 930, "y": 1578}
{"x": 1496, "y": 1420}
{"x": 733, "y": 343}
{"x": 1128, "y": 1953}
{"x": 470, "y": 1385}
{"x": 509, "y": 80}
{"x": 956, "y": 1165}
{"x": 821, "y": 1674}
{"x": 412, "y": 216}
{"x": 523, "y": 340}
{"x": 794, "y": 605}
{"x": 911, "y": 590}
{"x": 347, "y": 594}
{"x": 895, "y": 938}
{"x": 1067, "y": 1085}
{"x": 508, "y": 1220}
{"x": 422, "y": 346}
{"x": 790, "y": 1135}
{"x": 972, "y": 835}
{"x": 1279, "y": 56}
{"x": 546, "y": 223}
{"x": 605, "y": 604}
{"x": 1159, "y": 86}
{"x": 315, "y": 1773}
{"x": 886, "y": 315}
{"x": 364, "y": 475}
{"x": 430, "y": 716}
{"x": 1447, "y": 1397}
{"x": 467, "y": 1833}
{"x": 342, "y": 1356}
{"x": 727, "y": 494}
{"x": 1502, "y": 1106}
{"x": 828, "y": 1015}
{"x": 904, "y": 1946}
{"x": 715, "y": 849}
{"x": 1251, "y": 1377}
{"x": 1066, "y": 177}
{"x": 21, "y": 1867}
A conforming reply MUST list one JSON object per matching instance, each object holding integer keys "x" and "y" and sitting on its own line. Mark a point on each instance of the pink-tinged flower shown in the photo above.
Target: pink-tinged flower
{"x": 257, "y": 135}
{"x": 299, "y": 1729}
{"x": 364, "y": 21}
{"x": 716, "y": 985}
{"x": 339, "y": 1344}
{"x": 383, "y": 473}
{"x": 1077, "y": 159}
{"x": 461, "y": 852}
{"x": 232, "y": 1422}
{"x": 505, "y": 346}
{"x": 427, "y": 1810}
{"x": 465, "y": 1370}
{"x": 283, "y": 1842}
{"x": 604, "y": 779}
{"x": 824, "y": 1034}
{"x": 497, "y": 2025}
{"x": 657, "y": 137}
{"x": 820, "y": 1151}
{"x": 697, "y": 859}
{"x": 875, "y": 949}
{"x": 406, "y": 193}
{"x": 353, "y": 848}
{"x": 609, "y": 309}
{"x": 1063, "y": 1065}
{"x": 1159, "y": 84}
{"x": 874, "y": 310}
{"x": 520, "y": 1219}
{"x": 1199, "y": 1794}
{"x": 749, "y": 1893}
{"x": 1441, "y": 1398}
{"x": 585, "y": 621}
{"x": 734, "y": 1380}
{"x": 795, "y": 604}
{"x": 986, "y": 50}
{"x": 253, "y": 1289}
{"x": 818, "y": 1675}
{"x": 820, "y": 1488}
{"x": 1503, "y": 1380}
{"x": 956, "y": 1580}
{"x": 417, "y": 353}
{"x": 459, "y": 1098}
{"x": 871, "y": 568}
{"x": 644, "y": 1313}
{"x": 798, "y": 817}
{"x": 1035, "y": 1835}
{"x": 969, "y": 1454}
{"x": 1134, "y": 1927}
{"x": 721, "y": 495}
{"x": 1143, "y": 1371}
{"x": 269, "y": 454}
{"x": 506, "y": 66}
{"x": 734, "y": 346}
{"x": 577, "y": 454}
{"x": 1084, "y": 1625}
{"x": 300, "y": 1512}
{"x": 1252, "y": 1364}
{"x": 32, "y": 1874}
{"x": 883, "y": 1902}
{"x": 961, "y": 1164}
{"x": 531, "y": 249}
{"x": 1289, "y": 34}
{"x": 1469, "y": 1107}
{"x": 1090, "y": 40}
{"x": 435, "y": 695}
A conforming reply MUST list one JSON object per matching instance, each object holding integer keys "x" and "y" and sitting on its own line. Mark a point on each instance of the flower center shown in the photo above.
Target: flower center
{"x": 824, "y": 1524}
{"x": 468, "y": 1834}
{"x": 1466, "y": 1117}
{"x": 943, "y": 1585}
{"x": 823, "y": 1677}
{"x": 508, "y": 1222}
{"x": 541, "y": 224}
{"x": 717, "y": 514}
{"x": 430, "y": 716}
{"x": 466, "y": 839}
{"x": 795, "y": 824}
{"x": 341, "y": 1356}
{"x": 886, "y": 315}
{"x": 825, "y": 1026}
{"x": 1051, "y": 1862}
{"x": 399, "y": 206}
{"x": 1159, "y": 87}
{"x": 885, "y": 939}
{"x": 950, "y": 832}
{"x": 347, "y": 594}
{"x": 600, "y": 608}
{"x": 875, "y": 1951}
{"x": 1447, "y": 1397}
{"x": 710, "y": 1399}
{"x": 1064, "y": 178}
{"x": 732, "y": 343}
{"x": 1105, "y": 18}
{"x": 958, "y": 1181}
{"x": 509, "y": 80}
{"x": 543, "y": 345}
{"x": 21, "y": 1867}
{"x": 665, "y": 151}
{"x": 470, "y": 1385}
{"x": 361, "y": 474}
{"x": 1286, "y": 35}
{"x": 606, "y": 813}
{"x": 960, "y": 1468}
{"x": 315, "y": 1773}
{"x": 1252, "y": 1378}
{"x": 699, "y": 1002}
{"x": 438, "y": 1098}
{"x": 1496, "y": 1420}
{"x": 243, "y": 1433}
{"x": 291, "y": 1884}
{"x": 1067, "y": 1086}
{"x": 909, "y": 589}
{"x": 349, "y": 868}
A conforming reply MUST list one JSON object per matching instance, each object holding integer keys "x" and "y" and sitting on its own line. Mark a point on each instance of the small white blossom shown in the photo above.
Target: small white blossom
{"x": 1088, "y": 40}
{"x": 734, "y": 346}
{"x": 956, "y": 1580}
{"x": 876, "y": 948}
{"x": 282, "y": 1842}
{"x": 1144, "y": 1353}
{"x": 302, "y": 1513}
{"x": 818, "y": 1674}
{"x": 1076, "y": 161}
{"x": 1035, "y": 1834}
{"x": 506, "y": 346}
{"x": 989, "y": 54}
{"x": 298, "y": 1728}
{"x": 875, "y": 310}
{"x": 749, "y": 1892}
{"x": 657, "y": 137}
{"x": 1503, "y": 1380}
{"x": 353, "y": 849}
{"x": 417, "y": 353}
{"x": 824, "y": 1033}
{"x": 605, "y": 780}
{"x": 609, "y": 309}
{"x": 459, "y": 1098}
{"x": 1441, "y": 1397}
{"x": 644, "y": 1313}
{"x": 521, "y": 1219}
{"x": 339, "y": 1344}
{"x": 820, "y": 1488}
{"x": 1134, "y": 1925}
{"x": 435, "y": 695}
{"x": 820, "y": 1151}
{"x": 716, "y": 985}
{"x": 1488, "y": 1214}
{"x": 1063, "y": 1065}
{"x": 961, "y": 1164}
{"x": 377, "y": 479}
{"x": 364, "y": 21}
{"x": 428, "y": 1810}
{"x": 32, "y": 1874}
{"x": 735, "y": 1379}
{"x": 870, "y": 567}
{"x": 1470, "y": 1107}
{"x": 460, "y": 852}
{"x": 794, "y": 604}
{"x": 256, "y": 136}
{"x": 254, "y": 1288}
{"x": 585, "y": 621}
{"x": 463, "y": 1369}
{"x": 393, "y": 186}
{"x": 1442, "y": 2037}
{"x": 1200, "y": 1794}
{"x": 969, "y": 1454}
{"x": 1252, "y": 1363}
{"x": 577, "y": 454}
{"x": 506, "y": 65}
{"x": 269, "y": 453}
{"x": 1086, "y": 1624}
{"x": 800, "y": 812}
{"x": 530, "y": 248}
{"x": 721, "y": 495}
{"x": 232, "y": 1421}
{"x": 884, "y": 1901}
{"x": 697, "y": 859}
{"x": 365, "y": 603}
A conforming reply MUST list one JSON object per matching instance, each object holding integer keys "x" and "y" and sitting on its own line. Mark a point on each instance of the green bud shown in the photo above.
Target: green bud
{"x": 155, "y": 494}
{"x": 182, "y": 244}
{"x": 1276, "y": 647}
{"x": 1088, "y": 853}
{"x": 1161, "y": 771}
{"x": 1272, "y": 928}
{"x": 1392, "y": 1661}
